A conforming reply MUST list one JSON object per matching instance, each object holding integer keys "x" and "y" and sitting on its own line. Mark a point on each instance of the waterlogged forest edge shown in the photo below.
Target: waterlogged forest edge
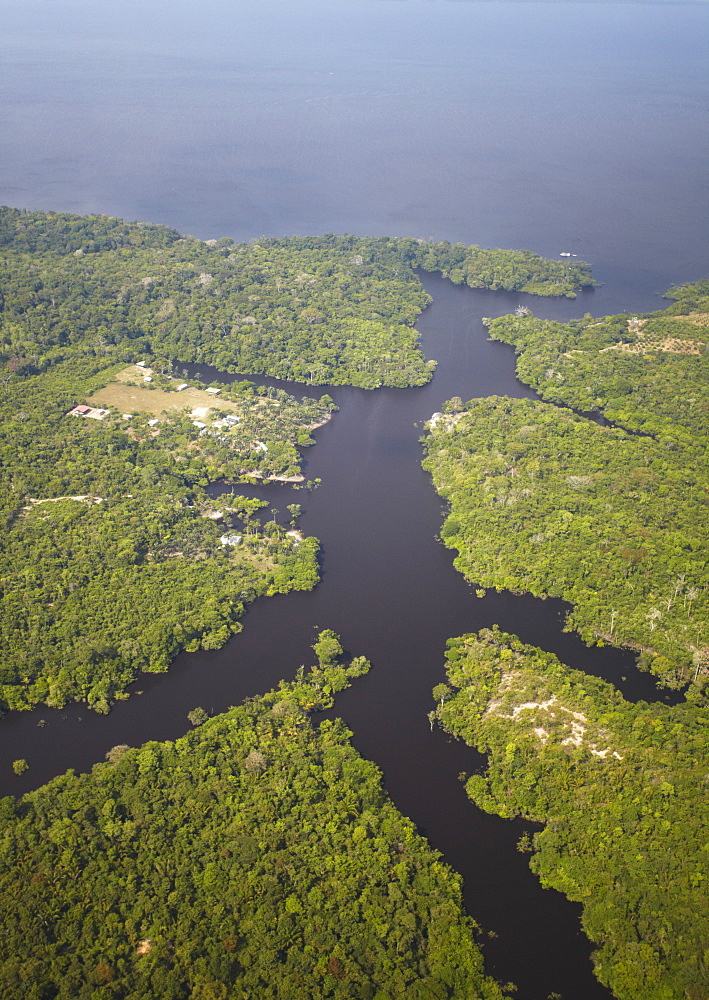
{"x": 113, "y": 558}
{"x": 258, "y": 855}
{"x": 614, "y": 520}
{"x": 611, "y": 520}
{"x": 621, "y": 791}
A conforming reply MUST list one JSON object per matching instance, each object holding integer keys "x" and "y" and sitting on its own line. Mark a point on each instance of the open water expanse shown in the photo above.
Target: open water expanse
{"x": 574, "y": 127}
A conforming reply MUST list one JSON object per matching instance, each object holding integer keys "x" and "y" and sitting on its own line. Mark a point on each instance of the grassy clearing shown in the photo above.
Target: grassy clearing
{"x": 128, "y": 397}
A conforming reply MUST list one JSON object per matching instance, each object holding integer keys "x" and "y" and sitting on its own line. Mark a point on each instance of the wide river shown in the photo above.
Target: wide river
{"x": 572, "y": 127}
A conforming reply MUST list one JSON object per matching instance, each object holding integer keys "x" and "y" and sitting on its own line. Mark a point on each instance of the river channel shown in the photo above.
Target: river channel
{"x": 389, "y": 588}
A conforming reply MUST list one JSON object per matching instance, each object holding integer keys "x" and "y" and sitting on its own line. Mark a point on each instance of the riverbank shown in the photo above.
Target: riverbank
{"x": 389, "y": 588}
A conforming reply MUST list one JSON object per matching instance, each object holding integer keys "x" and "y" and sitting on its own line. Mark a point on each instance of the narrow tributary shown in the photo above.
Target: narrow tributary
{"x": 389, "y": 588}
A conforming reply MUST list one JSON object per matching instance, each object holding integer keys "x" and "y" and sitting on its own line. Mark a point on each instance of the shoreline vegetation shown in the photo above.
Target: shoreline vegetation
{"x": 94, "y": 593}
{"x": 97, "y": 318}
{"x": 618, "y": 787}
{"x": 257, "y": 856}
{"x": 330, "y": 309}
{"x": 229, "y": 856}
{"x": 612, "y": 519}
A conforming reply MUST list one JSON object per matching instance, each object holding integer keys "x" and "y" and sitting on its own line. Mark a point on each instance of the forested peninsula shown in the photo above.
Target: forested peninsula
{"x": 258, "y": 856}
{"x": 335, "y": 309}
{"x": 598, "y": 494}
{"x": 113, "y": 557}
{"x": 621, "y": 789}
{"x": 611, "y": 517}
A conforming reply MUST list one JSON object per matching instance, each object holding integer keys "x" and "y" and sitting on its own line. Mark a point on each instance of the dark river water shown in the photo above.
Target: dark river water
{"x": 389, "y": 588}
{"x": 559, "y": 127}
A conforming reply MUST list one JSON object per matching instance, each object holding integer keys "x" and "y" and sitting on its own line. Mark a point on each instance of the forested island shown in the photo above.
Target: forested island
{"x": 256, "y": 856}
{"x": 612, "y": 518}
{"x": 621, "y": 791}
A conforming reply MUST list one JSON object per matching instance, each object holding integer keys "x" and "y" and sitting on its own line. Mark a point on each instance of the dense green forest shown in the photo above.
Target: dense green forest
{"x": 509, "y": 270}
{"x": 621, "y": 789}
{"x": 258, "y": 856}
{"x": 336, "y": 309}
{"x": 614, "y": 519}
{"x": 112, "y": 558}
{"x": 647, "y": 373}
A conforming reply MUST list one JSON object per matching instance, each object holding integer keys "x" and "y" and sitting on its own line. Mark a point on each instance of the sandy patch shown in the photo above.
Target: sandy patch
{"x": 574, "y": 723}
{"x": 84, "y": 498}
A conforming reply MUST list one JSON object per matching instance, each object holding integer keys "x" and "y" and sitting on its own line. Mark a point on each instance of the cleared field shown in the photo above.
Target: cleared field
{"x": 127, "y": 397}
